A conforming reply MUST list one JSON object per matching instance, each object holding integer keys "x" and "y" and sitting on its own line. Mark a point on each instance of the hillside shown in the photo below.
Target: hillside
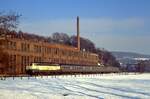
{"x": 129, "y": 55}
{"x": 126, "y": 58}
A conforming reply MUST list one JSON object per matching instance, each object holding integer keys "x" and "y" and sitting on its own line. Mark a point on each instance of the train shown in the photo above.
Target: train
{"x": 44, "y": 68}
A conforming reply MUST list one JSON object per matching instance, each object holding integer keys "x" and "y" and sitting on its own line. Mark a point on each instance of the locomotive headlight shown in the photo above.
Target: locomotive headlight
{"x": 98, "y": 64}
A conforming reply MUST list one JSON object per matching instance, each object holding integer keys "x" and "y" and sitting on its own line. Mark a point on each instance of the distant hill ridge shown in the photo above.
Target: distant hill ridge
{"x": 119, "y": 54}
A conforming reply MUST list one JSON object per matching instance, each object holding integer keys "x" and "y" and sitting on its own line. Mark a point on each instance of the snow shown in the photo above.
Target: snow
{"x": 106, "y": 86}
{"x": 142, "y": 59}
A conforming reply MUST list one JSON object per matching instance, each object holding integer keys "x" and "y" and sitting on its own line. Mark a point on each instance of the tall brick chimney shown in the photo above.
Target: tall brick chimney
{"x": 78, "y": 36}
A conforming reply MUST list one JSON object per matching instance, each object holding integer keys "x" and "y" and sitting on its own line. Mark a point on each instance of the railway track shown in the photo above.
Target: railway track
{"x": 4, "y": 77}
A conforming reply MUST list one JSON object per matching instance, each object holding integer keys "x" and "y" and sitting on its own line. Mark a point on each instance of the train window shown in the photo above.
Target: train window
{"x": 91, "y": 68}
{"x": 84, "y": 68}
{"x": 71, "y": 67}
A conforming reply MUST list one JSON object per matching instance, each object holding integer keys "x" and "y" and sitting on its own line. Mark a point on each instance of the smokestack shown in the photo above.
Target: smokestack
{"x": 78, "y": 36}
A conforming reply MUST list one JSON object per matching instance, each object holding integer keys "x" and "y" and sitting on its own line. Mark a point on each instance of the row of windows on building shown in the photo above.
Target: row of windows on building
{"x": 25, "y": 47}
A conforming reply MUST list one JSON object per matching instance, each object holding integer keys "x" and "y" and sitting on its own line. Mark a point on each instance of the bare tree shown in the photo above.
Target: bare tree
{"x": 9, "y": 21}
{"x": 61, "y": 38}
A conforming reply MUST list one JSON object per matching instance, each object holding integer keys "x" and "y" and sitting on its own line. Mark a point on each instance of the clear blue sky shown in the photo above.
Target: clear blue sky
{"x": 118, "y": 25}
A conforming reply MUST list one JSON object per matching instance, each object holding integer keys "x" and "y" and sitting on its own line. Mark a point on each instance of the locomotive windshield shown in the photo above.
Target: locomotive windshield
{"x": 44, "y": 64}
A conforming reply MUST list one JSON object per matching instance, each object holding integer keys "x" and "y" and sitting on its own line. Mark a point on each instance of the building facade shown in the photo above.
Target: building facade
{"x": 22, "y": 52}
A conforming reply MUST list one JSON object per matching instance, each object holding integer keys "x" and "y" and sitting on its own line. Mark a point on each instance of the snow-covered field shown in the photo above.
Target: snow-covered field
{"x": 108, "y": 86}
